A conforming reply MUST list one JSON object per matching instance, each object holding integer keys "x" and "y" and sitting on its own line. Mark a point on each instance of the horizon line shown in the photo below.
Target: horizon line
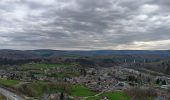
{"x": 90, "y": 50}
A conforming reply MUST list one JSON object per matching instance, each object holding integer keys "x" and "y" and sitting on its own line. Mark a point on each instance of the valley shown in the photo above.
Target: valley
{"x": 112, "y": 77}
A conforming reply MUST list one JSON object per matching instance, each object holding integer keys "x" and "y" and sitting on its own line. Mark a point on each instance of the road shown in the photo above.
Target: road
{"x": 10, "y": 95}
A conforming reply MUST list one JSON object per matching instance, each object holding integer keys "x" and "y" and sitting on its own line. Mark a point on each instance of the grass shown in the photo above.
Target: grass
{"x": 38, "y": 88}
{"x": 63, "y": 74}
{"x": 39, "y": 69}
{"x": 81, "y": 91}
{"x": 2, "y": 97}
{"x": 10, "y": 83}
{"x": 115, "y": 95}
{"x": 34, "y": 89}
{"x": 41, "y": 66}
{"x": 93, "y": 98}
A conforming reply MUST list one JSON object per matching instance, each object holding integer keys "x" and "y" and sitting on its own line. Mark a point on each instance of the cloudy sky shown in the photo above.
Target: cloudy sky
{"x": 85, "y": 24}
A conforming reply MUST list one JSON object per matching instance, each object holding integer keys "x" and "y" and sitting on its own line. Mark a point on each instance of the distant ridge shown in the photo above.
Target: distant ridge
{"x": 29, "y": 54}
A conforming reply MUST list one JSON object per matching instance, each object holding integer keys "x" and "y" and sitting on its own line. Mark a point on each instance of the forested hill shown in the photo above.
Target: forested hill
{"x": 31, "y": 54}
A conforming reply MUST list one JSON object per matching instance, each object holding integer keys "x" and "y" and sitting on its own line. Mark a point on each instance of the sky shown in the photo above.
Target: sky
{"x": 85, "y": 24}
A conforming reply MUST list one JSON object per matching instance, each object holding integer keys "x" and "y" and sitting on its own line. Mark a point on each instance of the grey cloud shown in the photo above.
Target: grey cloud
{"x": 82, "y": 24}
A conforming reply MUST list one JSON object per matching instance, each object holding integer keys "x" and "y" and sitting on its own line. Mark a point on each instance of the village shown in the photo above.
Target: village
{"x": 98, "y": 79}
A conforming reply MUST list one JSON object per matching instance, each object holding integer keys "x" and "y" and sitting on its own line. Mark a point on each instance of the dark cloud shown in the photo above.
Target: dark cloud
{"x": 84, "y": 24}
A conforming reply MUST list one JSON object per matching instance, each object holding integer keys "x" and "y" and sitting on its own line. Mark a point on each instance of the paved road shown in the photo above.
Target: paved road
{"x": 10, "y": 95}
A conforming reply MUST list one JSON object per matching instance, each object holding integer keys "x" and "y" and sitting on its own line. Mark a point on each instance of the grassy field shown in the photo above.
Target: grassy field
{"x": 116, "y": 95}
{"x": 38, "y": 88}
{"x": 81, "y": 91}
{"x": 34, "y": 89}
{"x": 93, "y": 98}
{"x": 5, "y": 82}
{"x": 44, "y": 66}
{"x": 38, "y": 66}
{"x": 2, "y": 97}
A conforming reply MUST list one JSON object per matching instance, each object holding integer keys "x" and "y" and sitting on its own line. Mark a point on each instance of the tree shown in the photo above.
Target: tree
{"x": 157, "y": 81}
{"x": 163, "y": 82}
{"x": 167, "y": 69}
{"x": 83, "y": 72}
{"x": 62, "y": 96}
{"x": 132, "y": 78}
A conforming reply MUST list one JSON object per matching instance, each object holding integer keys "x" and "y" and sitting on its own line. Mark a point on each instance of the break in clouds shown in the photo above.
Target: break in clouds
{"x": 85, "y": 24}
